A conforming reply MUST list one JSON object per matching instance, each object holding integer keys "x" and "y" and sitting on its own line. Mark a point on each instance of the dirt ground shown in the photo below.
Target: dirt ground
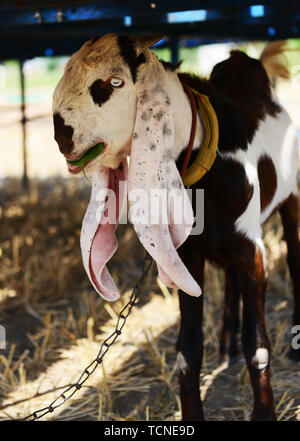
{"x": 55, "y": 322}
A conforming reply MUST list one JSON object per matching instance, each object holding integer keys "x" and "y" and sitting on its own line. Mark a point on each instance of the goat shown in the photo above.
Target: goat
{"x": 115, "y": 90}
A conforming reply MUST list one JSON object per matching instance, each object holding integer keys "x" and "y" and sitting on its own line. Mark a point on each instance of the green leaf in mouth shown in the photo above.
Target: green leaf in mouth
{"x": 91, "y": 154}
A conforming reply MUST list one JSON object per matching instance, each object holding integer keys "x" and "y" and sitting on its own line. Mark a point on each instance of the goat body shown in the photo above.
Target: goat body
{"x": 254, "y": 174}
{"x": 116, "y": 91}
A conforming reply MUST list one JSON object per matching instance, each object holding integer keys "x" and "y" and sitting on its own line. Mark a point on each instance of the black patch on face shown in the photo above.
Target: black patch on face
{"x": 101, "y": 91}
{"x": 128, "y": 53}
{"x": 62, "y": 134}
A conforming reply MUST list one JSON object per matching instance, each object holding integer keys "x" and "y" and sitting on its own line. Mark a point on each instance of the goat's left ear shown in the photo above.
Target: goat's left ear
{"x": 146, "y": 41}
{"x": 153, "y": 172}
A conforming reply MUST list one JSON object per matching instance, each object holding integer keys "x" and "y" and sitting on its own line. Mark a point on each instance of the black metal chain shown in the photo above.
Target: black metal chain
{"x": 105, "y": 346}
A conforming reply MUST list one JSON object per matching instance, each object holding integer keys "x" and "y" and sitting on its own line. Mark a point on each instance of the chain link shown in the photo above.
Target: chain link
{"x": 104, "y": 348}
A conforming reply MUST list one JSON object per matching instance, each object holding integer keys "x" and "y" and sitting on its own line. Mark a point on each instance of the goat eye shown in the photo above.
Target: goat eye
{"x": 116, "y": 82}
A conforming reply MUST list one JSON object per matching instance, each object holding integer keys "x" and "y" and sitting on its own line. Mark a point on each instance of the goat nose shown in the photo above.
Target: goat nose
{"x": 62, "y": 134}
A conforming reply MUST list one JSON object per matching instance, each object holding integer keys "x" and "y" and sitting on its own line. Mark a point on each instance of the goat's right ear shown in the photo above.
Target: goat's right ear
{"x": 153, "y": 171}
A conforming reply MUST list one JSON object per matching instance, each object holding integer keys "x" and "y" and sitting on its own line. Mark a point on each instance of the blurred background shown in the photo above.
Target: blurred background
{"x": 42, "y": 74}
{"x": 53, "y": 319}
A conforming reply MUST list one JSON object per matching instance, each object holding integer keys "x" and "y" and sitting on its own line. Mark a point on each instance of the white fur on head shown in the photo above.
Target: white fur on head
{"x": 138, "y": 116}
{"x": 111, "y": 122}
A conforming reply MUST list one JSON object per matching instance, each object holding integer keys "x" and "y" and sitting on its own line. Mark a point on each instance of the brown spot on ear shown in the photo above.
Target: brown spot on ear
{"x": 101, "y": 91}
{"x": 158, "y": 115}
{"x": 176, "y": 183}
{"x": 267, "y": 180}
{"x": 62, "y": 134}
{"x": 167, "y": 155}
{"x": 145, "y": 116}
{"x": 168, "y": 101}
{"x": 166, "y": 131}
{"x": 144, "y": 98}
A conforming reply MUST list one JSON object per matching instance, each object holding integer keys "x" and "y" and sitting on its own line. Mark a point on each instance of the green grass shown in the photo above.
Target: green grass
{"x": 188, "y": 56}
{"x": 48, "y": 78}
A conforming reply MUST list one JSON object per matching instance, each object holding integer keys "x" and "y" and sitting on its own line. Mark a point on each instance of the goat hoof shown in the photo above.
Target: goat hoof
{"x": 264, "y": 415}
{"x": 294, "y": 354}
{"x": 193, "y": 415}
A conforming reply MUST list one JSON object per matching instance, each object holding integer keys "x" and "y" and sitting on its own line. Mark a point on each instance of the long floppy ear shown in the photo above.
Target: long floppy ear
{"x": 154, "y": 179}
{"x": 97, "y": 240}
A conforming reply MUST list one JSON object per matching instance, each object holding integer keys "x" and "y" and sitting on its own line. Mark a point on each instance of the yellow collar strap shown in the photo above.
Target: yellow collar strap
{"x": 208, "y": 150}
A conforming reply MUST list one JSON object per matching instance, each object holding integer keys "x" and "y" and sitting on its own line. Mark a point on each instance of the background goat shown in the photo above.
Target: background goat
{"x": 254, "y": 173}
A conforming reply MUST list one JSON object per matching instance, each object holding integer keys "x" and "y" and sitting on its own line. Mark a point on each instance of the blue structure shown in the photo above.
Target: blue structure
{"x": 49, "y": 27}
{"x": 30, "y": 28}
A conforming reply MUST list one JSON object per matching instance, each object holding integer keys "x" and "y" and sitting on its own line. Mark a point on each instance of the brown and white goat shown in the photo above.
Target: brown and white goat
{"x": 116, "y": 91}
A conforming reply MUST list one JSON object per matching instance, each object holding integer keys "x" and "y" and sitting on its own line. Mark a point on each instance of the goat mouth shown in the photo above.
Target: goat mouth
{"x": 89, "y": 156}
{"x": 73, "y": 169}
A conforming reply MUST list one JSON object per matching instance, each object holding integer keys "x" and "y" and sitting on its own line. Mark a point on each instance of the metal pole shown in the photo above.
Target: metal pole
{"x": 174, "y": 50}
{"x": 23, "y": 122}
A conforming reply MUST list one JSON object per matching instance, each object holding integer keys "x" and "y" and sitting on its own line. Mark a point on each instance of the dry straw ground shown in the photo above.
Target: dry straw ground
{"x": 55, "y": 322}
